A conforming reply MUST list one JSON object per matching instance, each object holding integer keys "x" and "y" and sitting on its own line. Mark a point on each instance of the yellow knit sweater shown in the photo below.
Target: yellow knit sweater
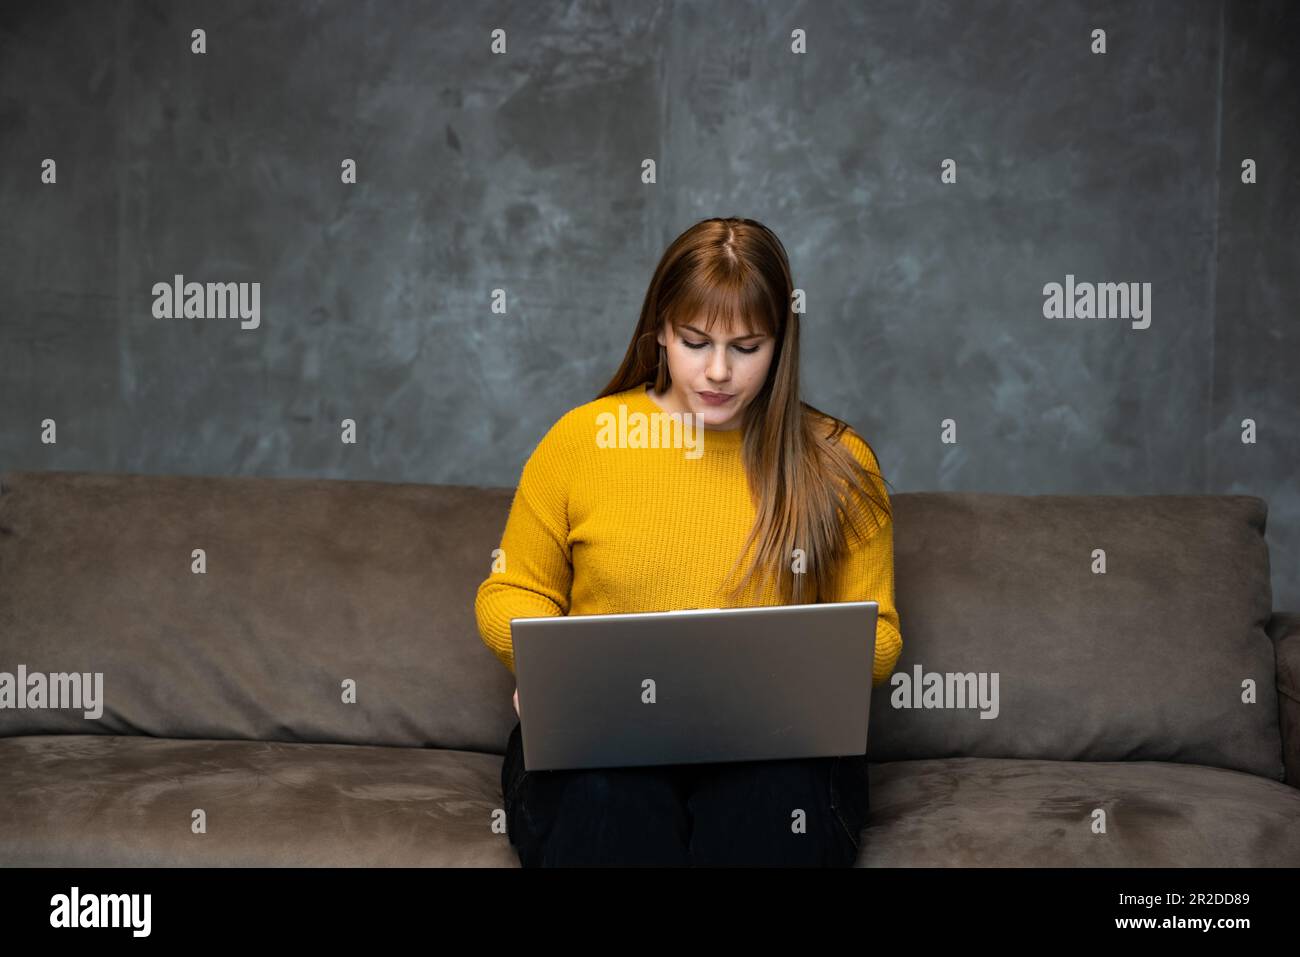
{"x": 600, "y": 530}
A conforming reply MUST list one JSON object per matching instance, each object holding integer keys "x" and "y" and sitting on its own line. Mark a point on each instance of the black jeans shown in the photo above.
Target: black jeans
{"x": 806, "y": 812}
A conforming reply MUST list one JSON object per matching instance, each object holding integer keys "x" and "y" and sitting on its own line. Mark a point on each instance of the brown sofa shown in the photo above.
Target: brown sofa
{"x": 1146, "y": 716}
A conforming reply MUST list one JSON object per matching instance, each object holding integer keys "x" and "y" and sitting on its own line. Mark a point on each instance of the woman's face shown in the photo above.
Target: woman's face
{"x": 715, "y": 376}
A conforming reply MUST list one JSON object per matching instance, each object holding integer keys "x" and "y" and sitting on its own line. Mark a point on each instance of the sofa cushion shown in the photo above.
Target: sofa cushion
{"x": 1144, "y": 662}
{"x": 314, "y": 582}
{"x": 126, "y": 800}
{"x": 309, "y": 583}
{"x": 105, "y": 800}
{"x": 988, "y": 812}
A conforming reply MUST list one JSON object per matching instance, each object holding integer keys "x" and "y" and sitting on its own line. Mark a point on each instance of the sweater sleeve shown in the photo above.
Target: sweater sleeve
{"x": 533, "y": 571}
{"x": 867, "y": 572}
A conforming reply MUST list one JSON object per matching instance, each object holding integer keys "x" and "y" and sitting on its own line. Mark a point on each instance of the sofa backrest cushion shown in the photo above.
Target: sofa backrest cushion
{"x": 311, "y": 587}
{"x": 1154, "y": 659}
{"x": 316, "y": 586}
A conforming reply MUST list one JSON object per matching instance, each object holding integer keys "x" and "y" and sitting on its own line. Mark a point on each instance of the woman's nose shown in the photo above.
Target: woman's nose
{"x": 718, "y": 366}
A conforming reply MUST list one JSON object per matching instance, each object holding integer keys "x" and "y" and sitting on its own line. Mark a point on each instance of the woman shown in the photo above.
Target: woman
{"x": 781, "y": 490}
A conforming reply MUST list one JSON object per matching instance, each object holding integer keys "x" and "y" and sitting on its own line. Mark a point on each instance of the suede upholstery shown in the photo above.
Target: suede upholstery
{"x": 1121, "y": 696}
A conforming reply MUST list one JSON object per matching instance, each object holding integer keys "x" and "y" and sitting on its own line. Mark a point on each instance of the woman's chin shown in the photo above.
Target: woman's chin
{"x": 713, "y": 419}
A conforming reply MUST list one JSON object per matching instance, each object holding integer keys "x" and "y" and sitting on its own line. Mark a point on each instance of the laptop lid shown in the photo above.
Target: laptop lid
{"x": 695, "y": 686}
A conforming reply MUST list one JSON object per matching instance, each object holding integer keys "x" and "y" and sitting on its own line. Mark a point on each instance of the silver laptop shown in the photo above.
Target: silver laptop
{"x": 688, "y": 687}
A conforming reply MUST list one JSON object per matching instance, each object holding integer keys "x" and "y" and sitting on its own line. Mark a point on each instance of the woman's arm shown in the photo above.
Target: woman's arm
{"x": 867, "y": 574}
{"x": 533, "y": 572}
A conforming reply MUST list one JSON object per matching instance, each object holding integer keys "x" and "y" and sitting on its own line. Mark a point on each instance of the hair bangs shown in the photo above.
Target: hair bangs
{"x": 742, "y": 306}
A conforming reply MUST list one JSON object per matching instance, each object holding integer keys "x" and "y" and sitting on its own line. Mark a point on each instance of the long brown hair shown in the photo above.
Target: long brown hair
{"x": 806, "y": 483}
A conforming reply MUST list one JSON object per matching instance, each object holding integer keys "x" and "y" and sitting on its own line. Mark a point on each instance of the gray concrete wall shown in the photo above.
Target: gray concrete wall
{"x": 522, "y": 172}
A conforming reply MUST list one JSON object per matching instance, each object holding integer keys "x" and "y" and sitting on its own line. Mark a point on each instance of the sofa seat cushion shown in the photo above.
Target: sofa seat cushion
{"x": 114, "y": 800}
{"x": 126, "y": 800}
{"x": 991, "y": 812}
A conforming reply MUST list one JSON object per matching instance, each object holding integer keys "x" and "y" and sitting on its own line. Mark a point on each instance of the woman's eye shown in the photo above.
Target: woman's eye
{"x": 701, "y": 345}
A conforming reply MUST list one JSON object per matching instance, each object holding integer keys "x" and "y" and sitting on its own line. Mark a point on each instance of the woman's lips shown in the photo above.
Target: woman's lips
{"x": 715, "y": 398}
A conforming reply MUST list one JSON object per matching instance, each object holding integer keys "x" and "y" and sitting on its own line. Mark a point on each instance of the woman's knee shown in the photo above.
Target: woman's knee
{"x": 605, "y": 816}
{"x": 777, "y": 813}
{"x": 631, "y": 795}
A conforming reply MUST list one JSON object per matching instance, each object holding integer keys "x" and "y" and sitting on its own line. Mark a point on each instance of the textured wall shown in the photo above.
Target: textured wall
{"x": 522, "y": 171}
